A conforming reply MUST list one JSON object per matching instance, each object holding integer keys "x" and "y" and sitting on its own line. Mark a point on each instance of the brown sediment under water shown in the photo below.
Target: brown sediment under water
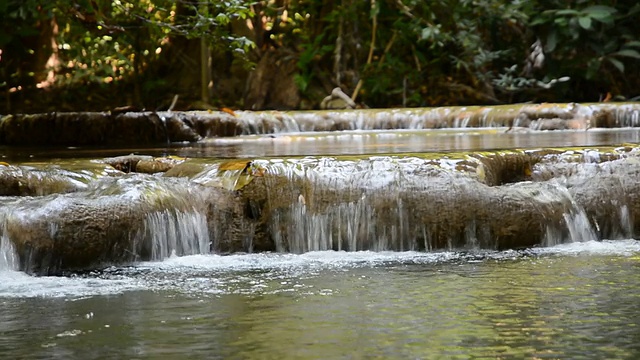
{"x": 575, "y": 299}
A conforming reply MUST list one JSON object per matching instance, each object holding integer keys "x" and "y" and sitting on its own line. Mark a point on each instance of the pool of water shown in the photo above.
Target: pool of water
{"x": 348, "y": 143}
{"x": 574, "y": 301}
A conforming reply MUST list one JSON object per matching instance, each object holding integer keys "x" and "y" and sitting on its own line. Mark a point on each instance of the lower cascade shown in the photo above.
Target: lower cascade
{"x": 492, "y": 201}
{"x": 387, "y": 220}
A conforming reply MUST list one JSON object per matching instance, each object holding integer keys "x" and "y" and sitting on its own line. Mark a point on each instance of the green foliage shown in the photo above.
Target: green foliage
{"x": 118, "y": 38}
{"x": 425, "y": 52}
{"x": 102, "y": 41}
{"x": 591, "y": 41}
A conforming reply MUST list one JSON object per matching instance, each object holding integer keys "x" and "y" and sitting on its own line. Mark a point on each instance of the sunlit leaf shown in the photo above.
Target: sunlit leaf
{"x": 567, "y": 12}
{"x": 585, "y": 22}
{"x": 234, "y": 165}
{"x": 599, "y": 11}
{"x": 628, "y": 53}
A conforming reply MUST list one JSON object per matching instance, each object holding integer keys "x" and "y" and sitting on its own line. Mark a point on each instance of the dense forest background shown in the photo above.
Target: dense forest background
{"x": 65, "y": 55}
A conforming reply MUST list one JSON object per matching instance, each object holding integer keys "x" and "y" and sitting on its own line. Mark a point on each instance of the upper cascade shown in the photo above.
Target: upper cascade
{"x": 143, "y": 128}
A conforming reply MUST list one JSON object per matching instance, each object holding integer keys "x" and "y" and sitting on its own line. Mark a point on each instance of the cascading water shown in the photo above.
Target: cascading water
{"x": 8, "y": 255}
{"x": 174, "y": 232}
{"x": 576, "y": 226}
{"x": 400, "y": 204}
{"x": 531, "y": 116}
{"x": 351, "y": 224}
{"x": 379, "y": 203}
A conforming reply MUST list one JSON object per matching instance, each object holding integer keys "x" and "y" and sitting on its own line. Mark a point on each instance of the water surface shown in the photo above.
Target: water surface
{"x": 349, "y": 143}
{"x": 575, "y": 301}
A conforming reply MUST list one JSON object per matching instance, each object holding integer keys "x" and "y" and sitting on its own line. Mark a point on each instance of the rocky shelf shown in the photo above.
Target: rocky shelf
{"x": 149, "y": 128}
{"x": 125, "y": 209}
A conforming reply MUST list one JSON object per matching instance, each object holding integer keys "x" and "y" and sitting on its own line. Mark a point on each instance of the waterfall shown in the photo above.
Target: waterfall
{"x": 174, "y": 232}
{"x": 386, "y": 203}
{"x": 576, "y": 226}
{"x": 8, "y": 255}
{"x": 579, "y": 227}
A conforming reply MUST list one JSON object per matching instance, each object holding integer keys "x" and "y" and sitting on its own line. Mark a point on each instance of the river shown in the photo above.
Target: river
{"x": 572, "y": 301}
{"x": 578, "y": 300}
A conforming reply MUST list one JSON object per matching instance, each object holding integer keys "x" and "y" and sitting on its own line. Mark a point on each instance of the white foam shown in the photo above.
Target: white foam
{"x": 14, "y": 284}
{"x": 257, "y": 273}
{"x": 604, "y": 248}
{"x": 313, "y": 259}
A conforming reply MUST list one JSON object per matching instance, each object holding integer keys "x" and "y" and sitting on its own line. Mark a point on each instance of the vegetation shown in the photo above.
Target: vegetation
{"x": 101, "y": 54}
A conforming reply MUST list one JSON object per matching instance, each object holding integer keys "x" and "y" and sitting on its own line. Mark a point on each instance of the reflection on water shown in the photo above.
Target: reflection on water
{"x": 397, "y": 142}
{"x": 574, "y": 301}
{"x": 351, "y": 143}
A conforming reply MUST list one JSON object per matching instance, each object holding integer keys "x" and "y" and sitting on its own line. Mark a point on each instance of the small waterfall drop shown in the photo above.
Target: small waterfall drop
{"x": 579, "y": 227}
{"x": 626, "y": 222}
{"x": 8, "y": 255}
{"x": 174, "y": 232}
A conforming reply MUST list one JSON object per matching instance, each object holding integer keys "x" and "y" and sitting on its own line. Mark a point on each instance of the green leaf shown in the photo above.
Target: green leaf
{"x": 552, "y": 41}
{"x": 561, "y": 21}
{"x": 375, "y": 10}
{"x": 605, "y": 20}
{"x": 599, "y": 11}
{"x": 567, "y": 12}
{"x": 632, "y": 44}
{"x": 585, "y": 22}
{"x": 617, "y": 63}
{"x": 628, "y": 53}
{"x": 538, "y": 21}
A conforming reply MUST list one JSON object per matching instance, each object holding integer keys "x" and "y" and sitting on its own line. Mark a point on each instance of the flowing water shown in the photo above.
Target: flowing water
{"x": 577, "y": 301}
{"x": 351, "y": 142}
{"x": 575, "y": 297}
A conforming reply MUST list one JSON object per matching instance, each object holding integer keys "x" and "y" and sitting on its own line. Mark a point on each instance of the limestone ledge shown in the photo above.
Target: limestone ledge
{"x": 146, "y": 128}
{"x": 499, "y": 200}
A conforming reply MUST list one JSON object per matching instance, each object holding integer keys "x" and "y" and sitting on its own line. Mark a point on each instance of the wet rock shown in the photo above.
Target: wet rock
{"x": 128, "y": 128}
{"x": 525, "y": 199}
{"x": 23, "y": 181}
{"x": 185, "y": 169}
{"x": 180, "y": 127}
{"x": 118, "y": 221}
{"x": 505, "y": 168}
{"x": 448, "y": 214}
{"x": 142, "y": 164}
{"x": 136, "y": 128}
{"x": 55, "y": 129}
{"x": 79, "y": 129}
{"x": 610, "y": 194}
{"x": 217, "y": 124}
{"x": 69, "y": 233}
{"x": 126, "y": 163}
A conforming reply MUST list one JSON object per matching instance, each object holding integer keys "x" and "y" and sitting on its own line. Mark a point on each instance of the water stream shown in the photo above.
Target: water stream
{"x": 8, "y": 255}
{"x": 359, "y": 267}
{"x": 570, "y": 301}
